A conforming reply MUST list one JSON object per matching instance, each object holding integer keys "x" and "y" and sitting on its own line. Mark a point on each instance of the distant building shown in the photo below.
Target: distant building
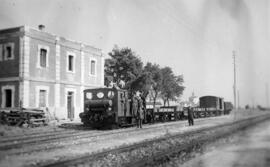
{"x": 39, "y": 69}
{"x": 193, "y": 100}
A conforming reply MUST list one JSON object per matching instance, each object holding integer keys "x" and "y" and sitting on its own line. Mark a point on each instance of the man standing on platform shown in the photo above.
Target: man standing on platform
{"x": 190, "y": 116}
{"x": 139, "y": 110}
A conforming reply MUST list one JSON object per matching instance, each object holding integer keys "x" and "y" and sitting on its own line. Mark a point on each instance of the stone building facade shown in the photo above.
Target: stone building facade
{"x": 39, "y": 69}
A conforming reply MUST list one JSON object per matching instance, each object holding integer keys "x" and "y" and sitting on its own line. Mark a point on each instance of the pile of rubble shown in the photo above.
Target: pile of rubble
{"x": 29, "y": 117}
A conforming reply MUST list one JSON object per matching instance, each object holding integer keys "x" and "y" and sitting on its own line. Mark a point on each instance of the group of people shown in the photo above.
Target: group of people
{"x": 138, "y": 107}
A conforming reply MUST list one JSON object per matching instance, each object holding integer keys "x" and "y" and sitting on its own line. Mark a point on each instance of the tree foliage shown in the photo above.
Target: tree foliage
{"x": 172, "y": 85}
{"x": 155, "y": 77}
{"x": 123, "y": 66}
{"x": 142, "y": 83}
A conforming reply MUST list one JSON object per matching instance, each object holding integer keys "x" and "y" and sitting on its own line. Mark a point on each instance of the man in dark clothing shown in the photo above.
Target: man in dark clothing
{"x": 143, "y": 101}
{"x": 134, "y": 109}
{"x": 140, "y": 112}
{"x": 190, "y": 117}
{"x": 137, "y": 109}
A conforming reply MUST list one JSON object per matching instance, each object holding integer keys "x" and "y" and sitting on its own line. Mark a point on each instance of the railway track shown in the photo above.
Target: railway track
{"x": 89, "y": 158}
{"x": 16, "y": 143}
{"x": 52, "y": 130}
{"x": 49, "y": 132}
{"x": 25, "y": 137}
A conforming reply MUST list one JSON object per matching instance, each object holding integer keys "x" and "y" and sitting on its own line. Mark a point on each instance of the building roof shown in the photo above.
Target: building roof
{"x": 50, "y": 37}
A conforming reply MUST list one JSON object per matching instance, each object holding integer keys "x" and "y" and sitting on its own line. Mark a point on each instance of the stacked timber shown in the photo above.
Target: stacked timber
{"x": 23, "y": 117}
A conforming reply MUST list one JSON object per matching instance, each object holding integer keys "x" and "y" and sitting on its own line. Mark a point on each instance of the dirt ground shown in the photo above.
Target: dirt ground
{"x": 250, "y": 148}
{"x": 75, "y": 147}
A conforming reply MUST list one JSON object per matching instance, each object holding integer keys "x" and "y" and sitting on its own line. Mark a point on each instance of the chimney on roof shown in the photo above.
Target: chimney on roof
{"x": 41, "y": 27}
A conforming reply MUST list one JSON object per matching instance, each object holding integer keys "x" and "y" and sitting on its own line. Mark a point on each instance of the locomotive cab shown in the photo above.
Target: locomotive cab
{"x": 105, "y": 107}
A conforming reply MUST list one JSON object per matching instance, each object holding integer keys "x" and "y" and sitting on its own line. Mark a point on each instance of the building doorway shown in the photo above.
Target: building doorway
{"x": 8, "y": 98}
{"x": 70, "y": 105}
{"x": 42, "y": 98}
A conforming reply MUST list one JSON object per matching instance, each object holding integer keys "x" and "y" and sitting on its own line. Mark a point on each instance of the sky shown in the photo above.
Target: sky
{"x": 195, "y": 38}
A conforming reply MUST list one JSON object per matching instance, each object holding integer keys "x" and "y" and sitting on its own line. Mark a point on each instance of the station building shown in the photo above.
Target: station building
{"x": 40, "y": 69}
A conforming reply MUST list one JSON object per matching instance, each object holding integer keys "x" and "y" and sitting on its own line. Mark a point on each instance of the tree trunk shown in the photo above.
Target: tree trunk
{"x": 164, "y": 102}
{"x": 154, "y": 104}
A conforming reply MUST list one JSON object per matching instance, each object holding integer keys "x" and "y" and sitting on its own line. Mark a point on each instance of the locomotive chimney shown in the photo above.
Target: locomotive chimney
{"x": 41, "y": 27}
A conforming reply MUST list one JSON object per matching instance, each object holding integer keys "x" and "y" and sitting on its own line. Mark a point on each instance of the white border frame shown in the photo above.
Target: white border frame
{"x": 47, "y": 56}
{"x": 74, "y": 61}
{"x": 12, "y": 87}
{"x": 93, "y": 59}
{"x": 12, "y": 45}
{"x": 38, "y": 88}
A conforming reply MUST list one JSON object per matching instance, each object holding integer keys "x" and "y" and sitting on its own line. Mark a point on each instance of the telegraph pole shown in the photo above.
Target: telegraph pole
{"x": 234, "y": 79}
{"x": 267, "y": 95}
{"x": 238, "y": 99}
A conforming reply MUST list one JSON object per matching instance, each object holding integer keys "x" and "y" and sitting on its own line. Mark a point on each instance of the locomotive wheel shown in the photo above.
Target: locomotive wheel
{"x": 114, "y": 126}
{"x": 109, "y": 127}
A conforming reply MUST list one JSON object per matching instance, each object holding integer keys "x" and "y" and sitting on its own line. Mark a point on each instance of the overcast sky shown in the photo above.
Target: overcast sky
{"x": 194, "y": 37}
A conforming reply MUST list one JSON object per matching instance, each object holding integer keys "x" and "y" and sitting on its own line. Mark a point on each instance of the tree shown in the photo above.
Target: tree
{"x": 123, "y": 66}
{"x": 142, "y": 84}
{"x": 171, "y": 85}
{"x": 155, "y": 76}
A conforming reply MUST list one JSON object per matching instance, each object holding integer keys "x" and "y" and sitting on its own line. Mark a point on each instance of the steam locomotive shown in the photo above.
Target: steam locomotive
{"x": 106, "y": 107}
{"x": 111, "y": 107}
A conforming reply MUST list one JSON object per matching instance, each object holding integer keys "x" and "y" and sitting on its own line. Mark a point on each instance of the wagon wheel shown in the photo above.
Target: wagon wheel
{"x": 194, "y": 115}
{"x": 114, "y": 126}
{"x": 165, "y": 118}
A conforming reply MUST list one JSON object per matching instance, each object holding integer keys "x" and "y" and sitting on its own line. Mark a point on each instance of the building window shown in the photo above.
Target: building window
{"x": 43, "y": 55}
{"x": 8, "y": 51}
{"x": 42, "y": 98}
{"x": 8, "y": 93}
{"x": 93, "y": 67}
{"x": 70, "y": 62}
